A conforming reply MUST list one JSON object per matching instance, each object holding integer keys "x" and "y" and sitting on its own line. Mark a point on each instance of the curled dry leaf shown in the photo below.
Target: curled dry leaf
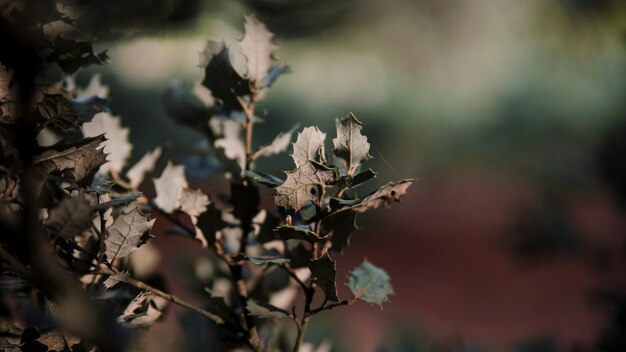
{"x": 84, "y": 157}
{"x": 385, "y": 196}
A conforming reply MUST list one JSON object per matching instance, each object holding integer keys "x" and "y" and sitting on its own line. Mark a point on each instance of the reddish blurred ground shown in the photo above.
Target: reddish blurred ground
{"x": 453, "y": 280}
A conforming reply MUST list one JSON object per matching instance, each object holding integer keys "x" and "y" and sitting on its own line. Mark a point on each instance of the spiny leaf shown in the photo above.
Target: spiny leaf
{"x": 350, "y": 144}
{"x": 278, "y": 145}
{"x": 385, "y": 195}
{"x": 84, "y": 158}
{"x": 265, "y": 311}
{"x": 296, "y": 233}
{"x": 258, "y": 48}
{"x": 127, "y": 233}
{"x": 302, "y": 185}
{"x": 370, "y": 283}
{"x": 194, "y": 203}
{"x": 169, "y": 187}
{"x": 221, "y": 78}
{"x": 324, "y": 270}
{"x": 70, "y": 218}
{"x": 309, "y": 146}
{"x": 339, "y": 225}
{"x": 264, "y": 179}
{"x": 117, "y": 147}
{"x": 137, "y": 173}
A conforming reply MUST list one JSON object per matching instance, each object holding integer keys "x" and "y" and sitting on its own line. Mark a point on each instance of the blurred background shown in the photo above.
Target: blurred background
{"x": 512, "y": 114}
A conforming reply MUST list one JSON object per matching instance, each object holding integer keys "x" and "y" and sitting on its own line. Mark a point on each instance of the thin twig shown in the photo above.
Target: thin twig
{"x": 174, "y": 299}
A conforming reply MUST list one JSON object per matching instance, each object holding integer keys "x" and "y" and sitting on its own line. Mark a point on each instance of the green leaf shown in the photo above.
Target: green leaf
{"x": 309, "y": 146}
{"x": 264, "y": 179}
{"x": 296, "y": 233}
{"x": 370, "y": 284}
{"x": 385, "y": 196}
{"x": 324, "y": 271}
{"x": 129, "y": 231}
{"x": 84, "y": 158}
{"x": 339, "y": 226}
{"x": 265, "y": 311}
{"x": 302, "y": 185}
{"x": 70, "y": 218}
{"x": 350, "y": 144}
{"x": 221, "y": 78}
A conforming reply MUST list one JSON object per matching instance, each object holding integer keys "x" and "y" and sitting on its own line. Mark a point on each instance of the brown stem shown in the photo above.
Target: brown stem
{"x": 323, "y": 307}
{"x": 174, "y": 299}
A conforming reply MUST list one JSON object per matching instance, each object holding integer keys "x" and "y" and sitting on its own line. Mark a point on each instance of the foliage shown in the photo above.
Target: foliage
{"x": 72, "y": 214}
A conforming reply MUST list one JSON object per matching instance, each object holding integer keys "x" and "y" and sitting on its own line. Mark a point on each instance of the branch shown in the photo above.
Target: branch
{"x": 345, "y": 302}
{"x": 174, "y": 299}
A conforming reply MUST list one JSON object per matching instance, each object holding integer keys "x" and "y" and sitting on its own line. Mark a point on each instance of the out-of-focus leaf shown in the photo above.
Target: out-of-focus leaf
{"x": 278, "y": 145}
{"x": 264, "y": 179}
{"x": 296, "y": 233}
{"x": 309, "y": 146}
{"x": 324, "y": 271}
{"x": 137, "y": 173}
{"x": 302, "y": 185}
{"x": 194, "y": 203}
{"x": 128, "y": 232}
{"x": 258, "y": 48}
{"x": 339, "y": 225}
{"x": 231, "y": 144}
{"x": 70, "y": 218}
{"x": 265, "y": 311}
{"x": 118, "y": 201}
{"x": 185, "y": 108}
{"x": 209, "y": 223}
{"x": 94, "y": 88}
{"x": 245, "y": 198}
{"x": 350, "y": 144}
{"x": 117, "y": 147}
{"x": 370, "y": 283}
{"x": 84, "y": 158}
{"x": 169, "y": 187}
{"x": 113, "y": 280}
{"x": 221, "y": 78}
{"x": 385, "y": 196}
{"x": 68, "y": 114}
{"x": 142, "y": 312}
{"x": 262, "y": 260}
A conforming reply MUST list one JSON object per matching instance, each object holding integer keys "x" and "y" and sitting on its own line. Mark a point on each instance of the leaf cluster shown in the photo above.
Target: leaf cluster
{"x": 79, "y": 199}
